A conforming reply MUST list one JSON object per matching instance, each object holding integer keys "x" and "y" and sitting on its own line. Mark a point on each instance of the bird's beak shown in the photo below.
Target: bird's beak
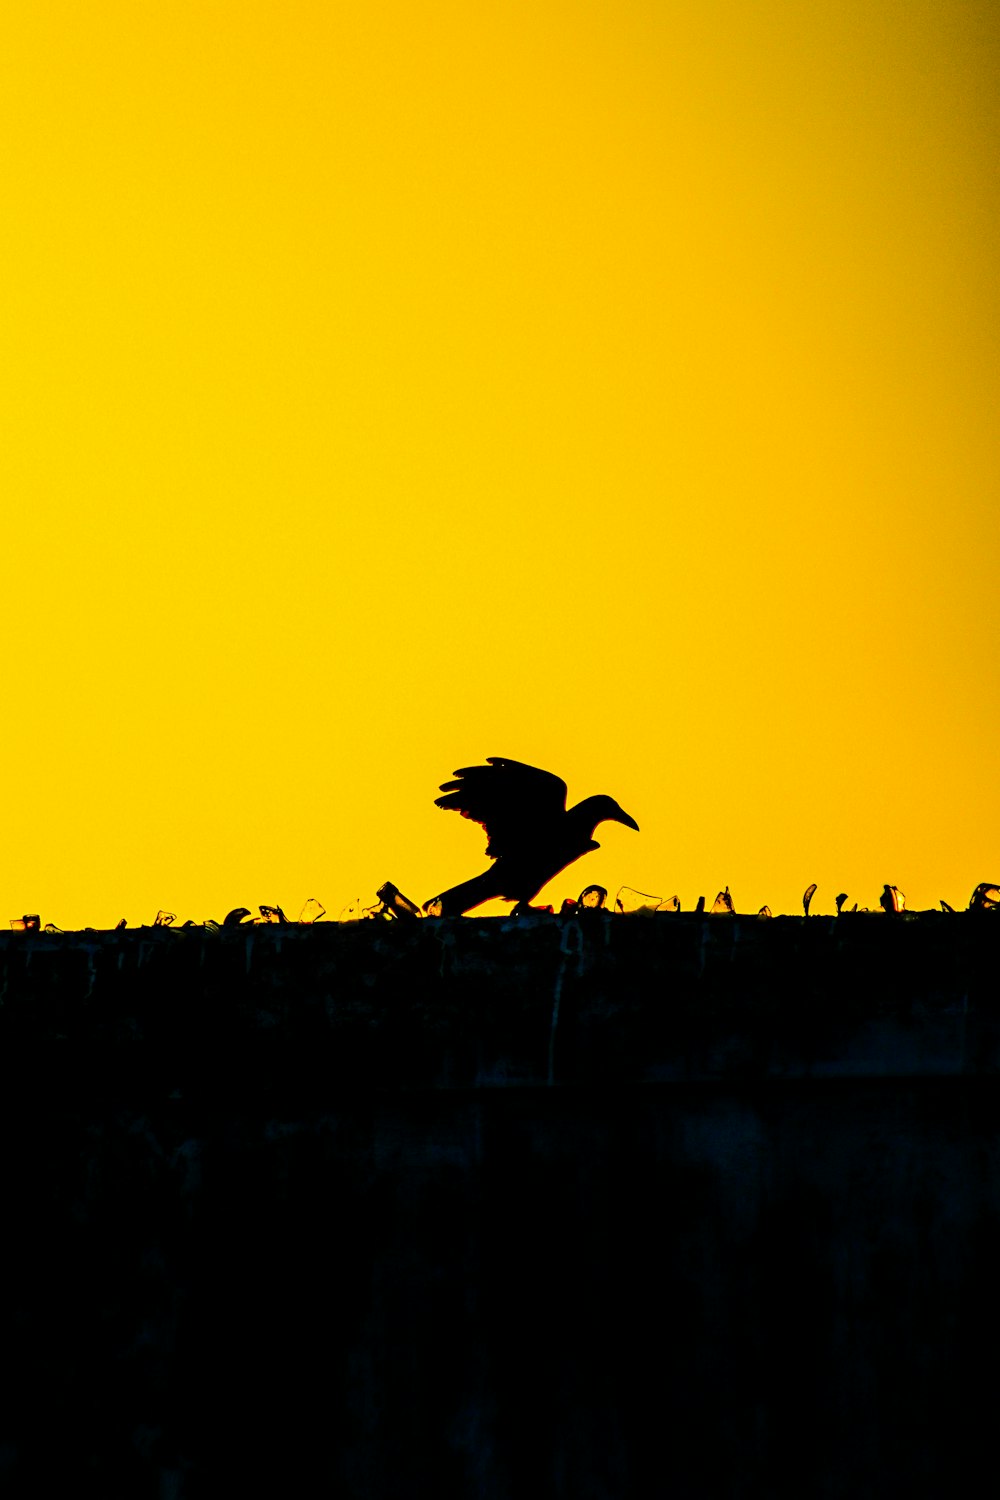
{"x": 623, "y": 817}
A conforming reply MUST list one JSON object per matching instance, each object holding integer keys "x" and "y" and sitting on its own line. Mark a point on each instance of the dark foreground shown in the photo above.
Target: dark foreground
{"x": 595, "y": 1209}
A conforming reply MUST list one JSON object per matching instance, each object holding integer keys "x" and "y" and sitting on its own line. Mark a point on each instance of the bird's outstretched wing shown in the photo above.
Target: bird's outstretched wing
{"x": 510, "y": 800}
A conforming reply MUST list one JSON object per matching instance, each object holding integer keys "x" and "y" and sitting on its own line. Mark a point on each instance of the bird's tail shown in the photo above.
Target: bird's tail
{"x": 460, "y": 898}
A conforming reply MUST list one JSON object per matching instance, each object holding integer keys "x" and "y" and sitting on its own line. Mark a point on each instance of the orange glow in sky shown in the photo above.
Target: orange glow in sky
{"x": 609, "y": 386}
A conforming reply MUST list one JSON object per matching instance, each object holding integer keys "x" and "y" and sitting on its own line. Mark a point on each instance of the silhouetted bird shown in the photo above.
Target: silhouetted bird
{"x": 532, "y": 834}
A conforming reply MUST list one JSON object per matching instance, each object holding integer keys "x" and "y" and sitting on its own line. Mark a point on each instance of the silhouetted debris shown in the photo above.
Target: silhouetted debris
{"x": 892, "y": 900}
{"x": 629, "y": 900}
{"x": 593, "y": 897}
{"x": 395, "y": 902}
{"x": 531, "y": 833}
{"x": 392, "y": 905}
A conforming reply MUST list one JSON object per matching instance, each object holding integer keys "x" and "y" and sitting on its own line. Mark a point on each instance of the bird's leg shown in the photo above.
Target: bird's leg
{"x": 462, "y": 898}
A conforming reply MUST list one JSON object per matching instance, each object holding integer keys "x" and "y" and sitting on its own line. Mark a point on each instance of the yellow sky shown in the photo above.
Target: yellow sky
{"x": 609, "y": 386}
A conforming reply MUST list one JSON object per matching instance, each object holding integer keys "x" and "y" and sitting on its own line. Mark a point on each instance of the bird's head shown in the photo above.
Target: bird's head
{"x": 594, "y": 810}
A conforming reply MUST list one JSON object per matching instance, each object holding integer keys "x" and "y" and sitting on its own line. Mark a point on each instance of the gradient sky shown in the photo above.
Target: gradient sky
{"x": 610, "y": 386}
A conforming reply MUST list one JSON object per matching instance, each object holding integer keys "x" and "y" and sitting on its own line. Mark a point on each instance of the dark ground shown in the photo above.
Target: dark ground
{"x": 606, "y": 1208}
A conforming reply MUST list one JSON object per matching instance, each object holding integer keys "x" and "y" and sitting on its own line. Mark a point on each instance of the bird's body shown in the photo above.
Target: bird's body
{"x": 532, "y": 834}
